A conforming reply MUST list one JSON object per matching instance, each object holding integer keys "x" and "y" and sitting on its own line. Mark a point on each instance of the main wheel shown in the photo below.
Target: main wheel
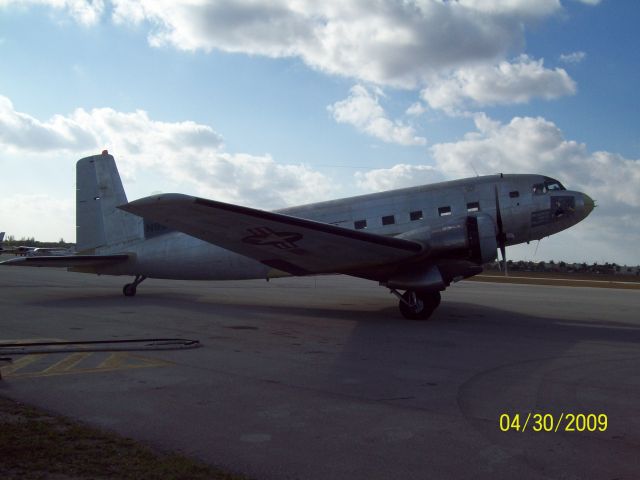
{"x": 418, "y": 306}
{"x": 129, "y": 290}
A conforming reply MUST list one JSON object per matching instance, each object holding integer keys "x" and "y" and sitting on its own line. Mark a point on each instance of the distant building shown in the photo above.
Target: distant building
{"x": 625, "y": 270}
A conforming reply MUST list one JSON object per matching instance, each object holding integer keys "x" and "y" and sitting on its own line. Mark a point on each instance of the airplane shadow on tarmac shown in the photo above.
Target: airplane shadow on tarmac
{"x": 452, "y": 316}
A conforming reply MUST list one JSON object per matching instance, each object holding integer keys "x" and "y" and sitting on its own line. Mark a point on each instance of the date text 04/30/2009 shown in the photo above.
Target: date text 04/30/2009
{"x": 547, "y": 422}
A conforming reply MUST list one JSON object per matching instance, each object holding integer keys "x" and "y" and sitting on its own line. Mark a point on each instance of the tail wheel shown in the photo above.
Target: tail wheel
{"x": 129, "y": 290}
{"x": 418, "y": 305}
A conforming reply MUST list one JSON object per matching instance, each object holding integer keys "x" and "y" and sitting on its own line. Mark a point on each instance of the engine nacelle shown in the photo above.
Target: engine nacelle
{"x": 418, "y": 280}
{"x": 472, "y": 238}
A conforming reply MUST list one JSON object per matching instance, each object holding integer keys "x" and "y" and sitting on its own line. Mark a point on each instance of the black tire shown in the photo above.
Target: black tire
{"x": 129, "y": 290}
{"x": 425, "y": 304}
{"x": 437, "y": 298}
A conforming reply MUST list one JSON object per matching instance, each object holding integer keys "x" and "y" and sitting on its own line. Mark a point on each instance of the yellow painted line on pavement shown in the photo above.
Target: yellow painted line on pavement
{"x": 66, "y": 363}
{"x": 115, "y": 362}
{"x": 72, "y": 362}
{"x": 20, "y": 363}
{"x": 69, "y": 365}
{"x": 118, "y": 361}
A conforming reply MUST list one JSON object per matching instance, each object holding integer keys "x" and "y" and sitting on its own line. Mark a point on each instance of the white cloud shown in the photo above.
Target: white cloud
{"x": 27, "y": 218}
{"x": 252, "y": 180}
{"x": 526, "y": 8}
{"x": 86, "y": 131}
{"x": 362, "y": 110}
{"x": 85, "y": 12}
{"x": 409, "y": 44}
{"x": 19, "y": 131}
{"x": 183, "y": 151}
{"x": 385, "y": 42}
{"x": 398, "y": 176}
{"x": 508, "y": 82}
{"x": 416, "y": 109}
{"x": 573, "y": 57}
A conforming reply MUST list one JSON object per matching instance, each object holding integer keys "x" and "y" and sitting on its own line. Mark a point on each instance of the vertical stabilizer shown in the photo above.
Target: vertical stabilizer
{"x": 1, "y": 237}
{"x": 98, "y": 192}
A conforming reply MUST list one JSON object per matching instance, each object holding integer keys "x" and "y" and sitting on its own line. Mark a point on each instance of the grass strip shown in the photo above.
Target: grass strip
{"x": 38, "y": 445}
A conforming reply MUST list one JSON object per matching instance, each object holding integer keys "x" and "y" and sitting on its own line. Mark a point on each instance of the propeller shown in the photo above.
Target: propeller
{"x": 501, "y": 236}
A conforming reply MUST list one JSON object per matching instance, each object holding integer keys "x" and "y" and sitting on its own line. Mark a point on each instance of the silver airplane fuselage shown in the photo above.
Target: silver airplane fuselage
{"x": 530, "y": 207}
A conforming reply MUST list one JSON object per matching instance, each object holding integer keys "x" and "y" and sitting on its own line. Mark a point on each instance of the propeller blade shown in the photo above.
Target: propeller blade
{"x": 501, "y": 237}
{"x": 498, "y": 214}
{"x": 503, "y": 251}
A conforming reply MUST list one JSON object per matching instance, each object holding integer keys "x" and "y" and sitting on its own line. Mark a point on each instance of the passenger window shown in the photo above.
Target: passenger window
{"x": 473, "y": 207}
{"x": 444, "y": 211}
{"x": 388, "y": 220}
{"x": 514, "y": 194}
{"x": 415, "y": 215}
{"x": 360, "y": 224}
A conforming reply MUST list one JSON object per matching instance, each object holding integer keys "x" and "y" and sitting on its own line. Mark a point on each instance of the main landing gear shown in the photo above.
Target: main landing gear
{"x": 129, "y": 289}
{"x": 417, "y": 305}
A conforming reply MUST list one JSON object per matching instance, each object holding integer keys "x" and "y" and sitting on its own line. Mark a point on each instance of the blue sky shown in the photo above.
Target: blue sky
{"x": 282, "y": 102}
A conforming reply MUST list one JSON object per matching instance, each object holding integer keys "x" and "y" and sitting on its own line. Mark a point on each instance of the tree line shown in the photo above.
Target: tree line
{"x": 12, "y": 241}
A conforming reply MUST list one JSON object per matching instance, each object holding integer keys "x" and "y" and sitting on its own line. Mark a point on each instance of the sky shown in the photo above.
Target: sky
{"x": 283, "y": 102}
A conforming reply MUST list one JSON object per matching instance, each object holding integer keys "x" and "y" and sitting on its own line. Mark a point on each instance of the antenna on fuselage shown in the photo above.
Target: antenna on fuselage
{"x": 474, "y": 169}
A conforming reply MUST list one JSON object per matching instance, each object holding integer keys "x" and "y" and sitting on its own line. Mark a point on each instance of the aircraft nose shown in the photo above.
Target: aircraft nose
{"x": 588, "y": 203}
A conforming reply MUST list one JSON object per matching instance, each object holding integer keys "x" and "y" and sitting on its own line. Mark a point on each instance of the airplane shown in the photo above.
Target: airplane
{"x": 418, "y": 240}
{"x": 48, "y": 251}
{"x": 15, "y": 250}
{"x": 21, "y": 250}
{"x": 35, "y": 251}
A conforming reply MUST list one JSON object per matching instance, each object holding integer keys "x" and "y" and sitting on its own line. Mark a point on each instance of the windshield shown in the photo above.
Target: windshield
{"x": 549, "y": 185}
{"x": 552, "y": 184}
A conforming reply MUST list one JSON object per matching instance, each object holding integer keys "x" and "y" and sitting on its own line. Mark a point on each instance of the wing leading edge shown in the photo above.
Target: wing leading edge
{"x": 294, "y": 245}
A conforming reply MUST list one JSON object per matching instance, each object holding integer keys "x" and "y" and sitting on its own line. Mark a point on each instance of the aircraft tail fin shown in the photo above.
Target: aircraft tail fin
{"x": 1, "y": 237}
{"x": 99, "y": 191}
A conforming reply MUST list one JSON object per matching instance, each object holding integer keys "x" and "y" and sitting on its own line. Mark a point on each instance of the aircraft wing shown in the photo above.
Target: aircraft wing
{"x": 66, "y": 261}
{"x": 291, "y": 244}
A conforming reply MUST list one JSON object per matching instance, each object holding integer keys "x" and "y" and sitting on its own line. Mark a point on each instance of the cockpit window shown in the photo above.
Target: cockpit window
{"x": 552, "y": 184}
{"x": 549, "y": 185}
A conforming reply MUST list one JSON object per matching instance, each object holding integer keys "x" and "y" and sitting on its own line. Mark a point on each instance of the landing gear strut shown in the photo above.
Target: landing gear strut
{"x": 129, "y": 289}
{"x": 417, "y": 305}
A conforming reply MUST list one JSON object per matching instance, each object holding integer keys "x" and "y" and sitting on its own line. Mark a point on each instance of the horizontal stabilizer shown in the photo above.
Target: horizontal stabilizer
{"x": 291, "y": 244}
{"x": 66, "y": 261}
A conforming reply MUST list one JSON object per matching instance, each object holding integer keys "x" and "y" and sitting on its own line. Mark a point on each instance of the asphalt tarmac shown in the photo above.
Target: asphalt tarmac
{"x": 320, "y": 378}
